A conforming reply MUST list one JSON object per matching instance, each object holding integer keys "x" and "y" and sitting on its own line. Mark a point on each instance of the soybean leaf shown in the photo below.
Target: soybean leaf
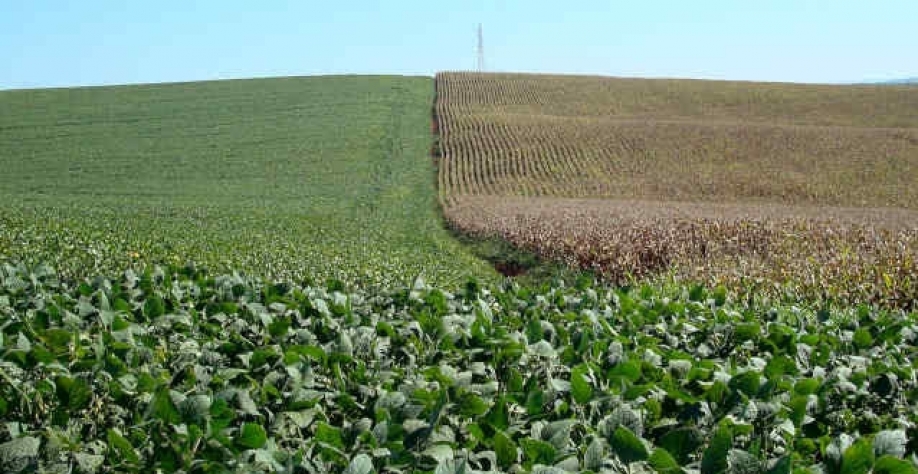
{"x": 806, "y": 386}
{"x": 747, "y": 383}
{"x": 505, "y": 450}
{"x": 628, "y": 447}
{"x": 329, "y": 435}
{"x": 714, "y": 460}
{"x": 892, "y": 465}
{"x": 681, "y": 443}
{"x": 154, "y": 307}
{"x": 252, "y": 436}
{"x": 663, "y": 462}
{"x": 581, "y": 389}
{"x": 121, "y": 448}
{"x": 779, "y": 366}
{"x": 858, "y": 458}
{"x": 538, "y": 452}
{"x": 161, "y": 407}
{"x": 75, "y": 394}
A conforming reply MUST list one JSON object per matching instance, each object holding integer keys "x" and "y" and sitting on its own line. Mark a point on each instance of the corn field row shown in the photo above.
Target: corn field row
{"x": 489, "y": 147}
{"x": 803, "y": 187}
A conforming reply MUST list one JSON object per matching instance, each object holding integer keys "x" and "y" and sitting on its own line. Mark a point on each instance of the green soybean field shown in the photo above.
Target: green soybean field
{"x": 324, "y": 177}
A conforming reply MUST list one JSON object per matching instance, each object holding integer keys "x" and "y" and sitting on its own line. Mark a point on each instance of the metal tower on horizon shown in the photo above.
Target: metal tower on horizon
{"x": 481, "y": 55}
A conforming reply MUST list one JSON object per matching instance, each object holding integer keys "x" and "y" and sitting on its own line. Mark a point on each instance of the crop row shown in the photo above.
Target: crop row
{"x": 505, "y": 155}
{"x": 666, "y": 99}
{"x": 175, "y": 370}
{"x": 497, "y": 148}
{"x": 807, "y": 173}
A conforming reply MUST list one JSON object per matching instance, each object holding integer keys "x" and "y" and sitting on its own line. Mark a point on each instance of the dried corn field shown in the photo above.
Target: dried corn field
{"x": 806, "y": 190}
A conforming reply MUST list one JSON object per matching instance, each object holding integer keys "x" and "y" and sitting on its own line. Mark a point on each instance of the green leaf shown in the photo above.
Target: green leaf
{"x": 806, "y": 386}
{"x": 279, "y": 327}
{"x": 714, "y": 459}
{"x": 263, "y": 356}
{"x": 635, "y": 391}
{"x": 783, "y": 338}
{"x": 161, "y": 407}
{"x": 252, "y": 436}
{"x": 581, "y": 389}
{"x": 779, "y": 366}
{"x": 628, "y": 371}
{"x": 628, "y": 447}
{"x": 154, "y": 307}
{"x": 497, "y": 417}
{"x": 535, "y": 402}
{"x": 663, "y": 462}
{"x": 696, "y": 293}
{"x": 858, "y": 458}
{"x": 121, "y": 448}
{"x": 75, "y": 394}
{"x": 863, "y": 339}
{"x": 329, "y": 435}
{"x": 472, "y": 406}
{"x": 315, "y": 353}
{"x": 538, "y": 452}
{"x": 505, "y": 449}
{"x": 221, "y": 414}
{"x": 58, "y": 340}
{"x": 747, "y": 332}
{"x": 797, "y": 407}
{"x": 681, "y": 443}
{"x": 746, "y": 382}
{"x": 720, "y": 295}
{"x": 892, "y": 465}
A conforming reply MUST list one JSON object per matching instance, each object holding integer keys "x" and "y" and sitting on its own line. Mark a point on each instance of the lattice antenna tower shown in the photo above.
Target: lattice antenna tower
{"x": 481, "y": 55}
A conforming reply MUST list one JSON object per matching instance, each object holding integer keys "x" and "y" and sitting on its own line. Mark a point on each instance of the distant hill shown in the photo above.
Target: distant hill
{"x": 911, "y": 80}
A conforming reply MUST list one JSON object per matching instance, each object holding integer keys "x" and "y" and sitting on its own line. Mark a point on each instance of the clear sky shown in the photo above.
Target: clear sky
{"x": 62, "y": 43}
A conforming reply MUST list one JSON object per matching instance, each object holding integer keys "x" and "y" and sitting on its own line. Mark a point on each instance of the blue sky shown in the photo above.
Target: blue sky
{"x": 62, "y": 43}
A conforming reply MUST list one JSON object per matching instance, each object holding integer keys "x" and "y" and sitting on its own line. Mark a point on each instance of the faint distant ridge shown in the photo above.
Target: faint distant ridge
{"x": 910, "y": 80}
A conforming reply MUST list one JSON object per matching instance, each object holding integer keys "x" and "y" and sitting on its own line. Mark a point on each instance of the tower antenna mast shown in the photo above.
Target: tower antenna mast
{"x": 481, "y": 55}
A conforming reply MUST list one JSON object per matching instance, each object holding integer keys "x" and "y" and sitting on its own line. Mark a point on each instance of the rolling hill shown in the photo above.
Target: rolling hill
{"x": 319, "y": 177}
